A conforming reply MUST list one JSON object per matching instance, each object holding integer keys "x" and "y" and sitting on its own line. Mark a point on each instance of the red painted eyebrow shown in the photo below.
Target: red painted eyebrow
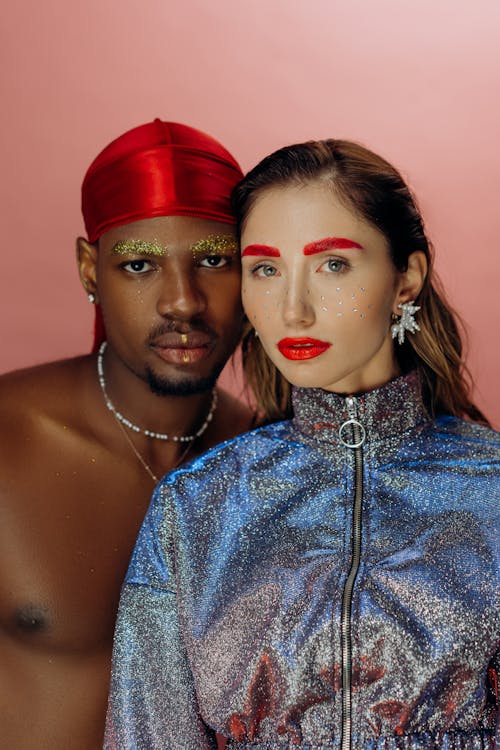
{"x": 264, "y": 250}
{"x": 330, "y": 243}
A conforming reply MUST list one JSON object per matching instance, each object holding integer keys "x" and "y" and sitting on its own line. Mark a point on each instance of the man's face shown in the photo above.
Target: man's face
{"x": 169, "y": 290}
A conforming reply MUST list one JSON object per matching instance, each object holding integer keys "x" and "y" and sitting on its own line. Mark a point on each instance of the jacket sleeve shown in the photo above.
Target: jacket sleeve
{"x": 152, "y": 702}
{"x": 497, "y": 733}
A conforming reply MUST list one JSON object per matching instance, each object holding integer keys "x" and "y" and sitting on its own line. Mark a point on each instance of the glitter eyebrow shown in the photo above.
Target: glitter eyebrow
{"x": 138, "y": 247}
{"x": 331, "y": 243}
{"x": 215, "y": 244}
{"x": 265, "y": 251}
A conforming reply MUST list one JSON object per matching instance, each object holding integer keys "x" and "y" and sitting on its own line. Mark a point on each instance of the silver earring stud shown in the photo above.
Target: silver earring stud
{"x": 91, "y": 297}
{"x": 255, "y": 333}
{"x": 406, "y": 322}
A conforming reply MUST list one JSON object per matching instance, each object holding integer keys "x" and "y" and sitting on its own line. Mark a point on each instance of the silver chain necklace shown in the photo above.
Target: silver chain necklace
{"x": 136, "y": 428}
{"x": 143, "y": 461}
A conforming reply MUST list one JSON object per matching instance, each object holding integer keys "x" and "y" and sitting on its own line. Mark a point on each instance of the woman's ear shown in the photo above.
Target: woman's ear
{"x": 411, "y": 281}
{"x": 87, "y": 259}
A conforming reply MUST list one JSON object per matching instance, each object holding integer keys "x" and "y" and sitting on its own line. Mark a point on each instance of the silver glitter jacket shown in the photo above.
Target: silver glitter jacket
{"x": 289, "y": 591}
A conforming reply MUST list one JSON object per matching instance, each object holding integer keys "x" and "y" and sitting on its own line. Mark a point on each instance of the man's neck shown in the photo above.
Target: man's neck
{"x": 131, "y": 400}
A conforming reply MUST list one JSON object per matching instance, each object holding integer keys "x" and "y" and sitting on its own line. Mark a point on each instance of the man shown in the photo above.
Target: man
{"x": 85, "y": 440}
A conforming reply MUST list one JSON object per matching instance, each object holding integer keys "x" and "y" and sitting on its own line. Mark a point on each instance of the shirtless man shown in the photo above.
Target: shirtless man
{"x": 77, "y": 469}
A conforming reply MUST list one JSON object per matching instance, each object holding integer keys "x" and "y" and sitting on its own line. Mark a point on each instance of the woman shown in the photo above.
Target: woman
{"x": 331, "y": 580}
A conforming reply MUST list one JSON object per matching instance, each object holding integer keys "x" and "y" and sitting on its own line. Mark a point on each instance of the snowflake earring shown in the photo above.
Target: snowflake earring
{"x": 406, "y": 322}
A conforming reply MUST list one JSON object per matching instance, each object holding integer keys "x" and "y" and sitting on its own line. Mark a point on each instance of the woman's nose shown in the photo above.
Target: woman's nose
{"x": 298, "y": 310}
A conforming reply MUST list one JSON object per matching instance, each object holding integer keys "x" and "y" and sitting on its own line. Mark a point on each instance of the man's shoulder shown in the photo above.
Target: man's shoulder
{"x": 233, "y": 417}
{"x": 48, "y": 390}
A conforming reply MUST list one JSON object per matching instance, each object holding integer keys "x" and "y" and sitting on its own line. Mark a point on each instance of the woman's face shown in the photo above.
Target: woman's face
{"x": 319, "y": 287}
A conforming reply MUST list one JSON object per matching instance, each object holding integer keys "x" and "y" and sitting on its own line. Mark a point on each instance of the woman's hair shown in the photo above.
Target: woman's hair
{"x": 371, "y": 187}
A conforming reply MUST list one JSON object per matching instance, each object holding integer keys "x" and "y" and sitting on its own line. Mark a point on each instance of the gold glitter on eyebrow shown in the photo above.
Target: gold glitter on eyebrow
{"x": 138, "y": 247}
{"x": 215, "y": 244}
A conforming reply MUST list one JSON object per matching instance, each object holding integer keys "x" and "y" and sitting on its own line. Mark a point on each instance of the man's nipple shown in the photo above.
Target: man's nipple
{"x": 31, "y": 619}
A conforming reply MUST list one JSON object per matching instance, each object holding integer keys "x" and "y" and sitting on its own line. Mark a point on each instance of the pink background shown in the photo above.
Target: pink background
{"x": 417, "y": 80}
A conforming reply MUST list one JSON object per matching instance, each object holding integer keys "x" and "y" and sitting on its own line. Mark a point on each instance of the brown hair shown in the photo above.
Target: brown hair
{"x": 375, "y": 190}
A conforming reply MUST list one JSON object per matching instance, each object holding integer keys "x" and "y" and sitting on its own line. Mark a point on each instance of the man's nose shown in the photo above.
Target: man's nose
{"x": 180, "y": 295}
{"x": 298, "y": 310}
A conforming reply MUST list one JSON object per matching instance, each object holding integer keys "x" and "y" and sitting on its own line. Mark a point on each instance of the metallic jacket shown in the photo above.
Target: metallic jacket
{"x": 328, "y": 582}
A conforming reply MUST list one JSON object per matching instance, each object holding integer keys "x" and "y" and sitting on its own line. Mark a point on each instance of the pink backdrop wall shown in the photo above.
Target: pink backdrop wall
{"x": 417, "y": 80}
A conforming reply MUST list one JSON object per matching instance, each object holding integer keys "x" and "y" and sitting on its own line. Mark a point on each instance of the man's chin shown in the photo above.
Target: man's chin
{"x": 184, "y": 386}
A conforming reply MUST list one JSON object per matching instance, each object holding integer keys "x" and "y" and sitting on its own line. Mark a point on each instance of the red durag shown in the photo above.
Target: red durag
{"x": 157, "y": 169}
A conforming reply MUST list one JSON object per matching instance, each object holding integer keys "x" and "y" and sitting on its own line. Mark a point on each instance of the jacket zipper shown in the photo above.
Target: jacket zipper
{"x": 358, "y": 435}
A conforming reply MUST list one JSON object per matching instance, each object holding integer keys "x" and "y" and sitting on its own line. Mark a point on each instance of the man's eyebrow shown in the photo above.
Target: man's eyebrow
{"x": 331, "y": 243}
{"x": 215, "y": 244}
{"x": 263, "y": 250}
{"x": 138, "y": 247}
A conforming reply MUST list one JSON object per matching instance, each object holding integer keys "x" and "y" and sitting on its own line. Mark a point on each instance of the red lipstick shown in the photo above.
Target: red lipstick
{"x": 302, "y": 348}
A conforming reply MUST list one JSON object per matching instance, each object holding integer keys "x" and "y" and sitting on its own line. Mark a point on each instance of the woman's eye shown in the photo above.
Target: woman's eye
{"x": 137, "y": 266}
{"x": 333, "y": 265}
{"x": 214, "y": 261}
{"x": 265, "y": 270}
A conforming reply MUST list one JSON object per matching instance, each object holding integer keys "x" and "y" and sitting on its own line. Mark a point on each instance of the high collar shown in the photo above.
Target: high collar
{"x": 385, "y": 413}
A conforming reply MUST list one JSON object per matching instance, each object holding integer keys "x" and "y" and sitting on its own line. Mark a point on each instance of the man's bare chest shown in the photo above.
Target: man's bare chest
{"x": 67, "y": 530}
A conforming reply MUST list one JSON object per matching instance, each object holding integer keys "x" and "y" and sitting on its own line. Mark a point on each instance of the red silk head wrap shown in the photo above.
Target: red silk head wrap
{"x": 157, "y": 169}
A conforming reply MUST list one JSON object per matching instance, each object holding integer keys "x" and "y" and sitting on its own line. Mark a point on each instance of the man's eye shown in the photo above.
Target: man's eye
{"x": 265, "y": 270}
{"x": 214, "y": 261}
{"x": 137, "y": 266}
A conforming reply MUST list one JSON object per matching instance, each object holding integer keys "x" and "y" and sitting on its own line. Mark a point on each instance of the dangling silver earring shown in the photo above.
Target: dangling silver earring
{"x": 255, "y": 333}
{"x": 406, "y": 322}
{"x": 91, "y": 297}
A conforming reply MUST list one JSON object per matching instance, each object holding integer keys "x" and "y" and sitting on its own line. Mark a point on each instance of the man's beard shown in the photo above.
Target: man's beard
{"x": 186, "y": 387}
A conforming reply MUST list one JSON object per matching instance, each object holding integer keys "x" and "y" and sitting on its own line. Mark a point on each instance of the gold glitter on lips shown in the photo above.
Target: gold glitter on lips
{"x": 139, "y": 247}
{"x": 215, "y": 244}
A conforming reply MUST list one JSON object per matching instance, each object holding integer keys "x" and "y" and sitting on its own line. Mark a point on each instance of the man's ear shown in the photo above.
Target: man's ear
{"x": 411, "y": 281}
{"x": 86, "y": 255}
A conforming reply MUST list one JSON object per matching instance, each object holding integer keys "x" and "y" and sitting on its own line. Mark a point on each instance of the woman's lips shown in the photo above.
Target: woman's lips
{"x": 302, "y": 348}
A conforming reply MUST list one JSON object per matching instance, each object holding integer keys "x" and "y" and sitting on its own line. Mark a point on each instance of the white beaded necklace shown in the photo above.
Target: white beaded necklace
{"x": 134, "y": 427}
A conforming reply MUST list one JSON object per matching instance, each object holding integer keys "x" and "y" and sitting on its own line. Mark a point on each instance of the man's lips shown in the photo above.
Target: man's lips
{"x": 183, "y": 348}
{"x": 302, "y": 348}
{"x": 179, "y": 340}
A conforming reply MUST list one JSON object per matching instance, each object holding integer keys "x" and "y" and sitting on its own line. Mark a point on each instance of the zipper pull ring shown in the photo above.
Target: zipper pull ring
{"x": 359, "y": 432}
